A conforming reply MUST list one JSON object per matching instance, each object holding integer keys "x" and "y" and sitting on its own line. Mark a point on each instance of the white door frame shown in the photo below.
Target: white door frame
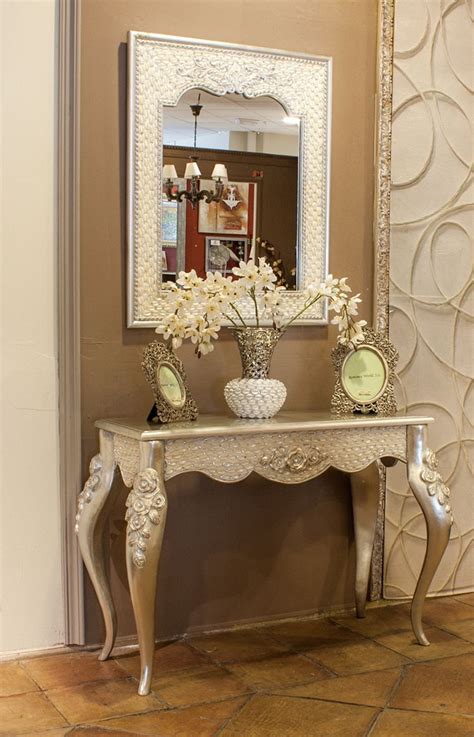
{"x": 68, "y": 311}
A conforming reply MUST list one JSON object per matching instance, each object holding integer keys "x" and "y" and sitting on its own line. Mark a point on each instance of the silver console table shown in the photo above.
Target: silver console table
{"x": 290, "y": 448}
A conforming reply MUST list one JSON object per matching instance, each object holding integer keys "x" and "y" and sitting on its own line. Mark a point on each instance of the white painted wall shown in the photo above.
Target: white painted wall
{"x": 31, "y": 596}
{"x": 265, "y": 143}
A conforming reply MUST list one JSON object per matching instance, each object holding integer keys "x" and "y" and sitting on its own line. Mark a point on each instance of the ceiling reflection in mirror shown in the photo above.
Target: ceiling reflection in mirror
{"x": 230, "y": 185}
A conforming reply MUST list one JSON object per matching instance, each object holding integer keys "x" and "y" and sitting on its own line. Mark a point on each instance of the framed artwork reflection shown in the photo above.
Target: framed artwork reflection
{"x": 228, "y": 216}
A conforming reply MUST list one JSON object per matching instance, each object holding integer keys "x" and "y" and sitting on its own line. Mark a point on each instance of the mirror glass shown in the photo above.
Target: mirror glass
{"x": 364, "y": 375}
{"x": 170, "y": 385}
{"x": 257, "y": 214}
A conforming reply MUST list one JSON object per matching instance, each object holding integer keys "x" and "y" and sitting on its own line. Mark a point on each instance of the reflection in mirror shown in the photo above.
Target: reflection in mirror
{"x": 230, "y": 185}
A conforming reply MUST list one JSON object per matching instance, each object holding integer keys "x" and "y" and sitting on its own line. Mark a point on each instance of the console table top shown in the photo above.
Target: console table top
{"x": 287, "y": 421}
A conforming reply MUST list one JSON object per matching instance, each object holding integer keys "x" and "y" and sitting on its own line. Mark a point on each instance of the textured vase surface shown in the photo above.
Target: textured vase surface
{"x": 255, "y": 396}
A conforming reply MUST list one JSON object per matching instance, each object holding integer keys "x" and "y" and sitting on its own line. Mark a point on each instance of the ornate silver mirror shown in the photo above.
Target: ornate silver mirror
{"x": 228, "y": 152}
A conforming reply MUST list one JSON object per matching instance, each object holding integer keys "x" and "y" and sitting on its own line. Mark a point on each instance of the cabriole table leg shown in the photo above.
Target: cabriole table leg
{"x": 92, "y": 511}
{"x": 432, "y": 495}
{"x": 146, "y": 517}
{"x": 365, "y": 504}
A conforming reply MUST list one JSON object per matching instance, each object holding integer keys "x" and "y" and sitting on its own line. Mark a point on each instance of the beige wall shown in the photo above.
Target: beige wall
{"x": 432, "y": 297}
{"x": 31, "y": 596}
{"x": 252, "y": 551}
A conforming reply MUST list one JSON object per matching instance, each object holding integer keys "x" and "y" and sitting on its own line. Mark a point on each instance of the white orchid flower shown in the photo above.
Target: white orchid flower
{"x": 352, "y": 303}
{"x": 338, "y": 303}
{"x": 189, "y": 279}
{"x": 343, "y": 286}
{"x": 213, "y": 308}
{"x": 312, "y": 291}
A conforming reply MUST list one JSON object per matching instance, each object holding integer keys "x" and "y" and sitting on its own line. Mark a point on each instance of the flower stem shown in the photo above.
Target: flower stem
{"x": 228, "y": 317}
{"x": 238, "y": 313}
{"x": 306, "y": 307}
{"x": 252, "y": 294}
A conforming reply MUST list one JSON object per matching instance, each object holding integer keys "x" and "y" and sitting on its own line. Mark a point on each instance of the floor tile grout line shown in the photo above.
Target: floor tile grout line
{"x": 374, "y": 722}
{"x": 113, "y": 731}
{"x": 410, "y": 659}
{"x": 369, "y": 639}
{"x": 32, "y": 678}
{"x": 104, "y": 720}
{"x": 331, "y": 673}
{"x": 120, "y": 730}
{"x": 457, "y": 598}
{"x": 393, "y": 690}
{"x": 272, "y": 689}
{"x": 101, "y": 723}
{"x": 427, "y": 661}
{"x": 291, "y": 652}
{"x": 429, "y": 626}
{"x": 45, "y": 695}
{"x": 75, "y": 724}
{"x": 227, "y": 721}
{"x": 412, "y": 710}
{"x": 303, "y": 653}
{"x": 403, "y": 673}
{"x": 195, "y": 649}
{"x": 444, "y": 628}
{"x": 179, "y": 707}
{"x": 93, "y": 682}
{"x": 68, "y": 722}
{"x": 326, "y": 701}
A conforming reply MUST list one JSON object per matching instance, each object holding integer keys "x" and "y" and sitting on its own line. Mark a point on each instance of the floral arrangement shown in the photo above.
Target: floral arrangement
{"x": 198, "y": 307}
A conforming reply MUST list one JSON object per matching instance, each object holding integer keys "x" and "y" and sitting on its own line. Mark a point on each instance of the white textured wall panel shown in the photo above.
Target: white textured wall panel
{"x": 432, "y": 293}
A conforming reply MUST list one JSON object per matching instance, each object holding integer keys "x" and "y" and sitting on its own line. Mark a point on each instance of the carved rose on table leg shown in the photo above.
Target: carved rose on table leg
{"x": 144, "y": 505}
{"x": 90, "y": 486}
{"x": 434, "y": 482}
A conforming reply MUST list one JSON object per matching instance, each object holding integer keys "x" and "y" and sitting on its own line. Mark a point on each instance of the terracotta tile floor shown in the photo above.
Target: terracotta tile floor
{"x": 309, "y": 678}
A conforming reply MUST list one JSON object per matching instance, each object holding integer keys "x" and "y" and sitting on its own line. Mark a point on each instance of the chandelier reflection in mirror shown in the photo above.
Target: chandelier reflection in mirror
{"x": 193, "y": 173}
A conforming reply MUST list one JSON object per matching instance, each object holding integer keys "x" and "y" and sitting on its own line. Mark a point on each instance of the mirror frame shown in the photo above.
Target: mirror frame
{"x": 160, "y": 70}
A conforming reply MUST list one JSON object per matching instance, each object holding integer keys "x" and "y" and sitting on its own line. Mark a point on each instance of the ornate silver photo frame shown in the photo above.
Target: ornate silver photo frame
{"x": 364, "y": 376}
{"x": 160, "y": 70}
{"x": 165, "y": 374}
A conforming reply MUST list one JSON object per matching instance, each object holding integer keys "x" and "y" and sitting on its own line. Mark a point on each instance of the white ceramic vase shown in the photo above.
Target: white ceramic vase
{"x": 255, "y": 396}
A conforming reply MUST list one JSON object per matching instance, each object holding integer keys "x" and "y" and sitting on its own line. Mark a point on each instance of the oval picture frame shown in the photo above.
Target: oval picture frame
{"x": 368, "y": 389}
{"x": 158, "y": 356}
{"x": 166, "y": 389}
{"x": 361, "y": 391}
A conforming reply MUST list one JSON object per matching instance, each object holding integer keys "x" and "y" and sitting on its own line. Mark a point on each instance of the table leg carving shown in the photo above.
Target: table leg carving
{"x": 433, "y": 497}
{"x": 146, "y": 517}
{"x": 365, "y": 504}
{"x": 92, "y": 511}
